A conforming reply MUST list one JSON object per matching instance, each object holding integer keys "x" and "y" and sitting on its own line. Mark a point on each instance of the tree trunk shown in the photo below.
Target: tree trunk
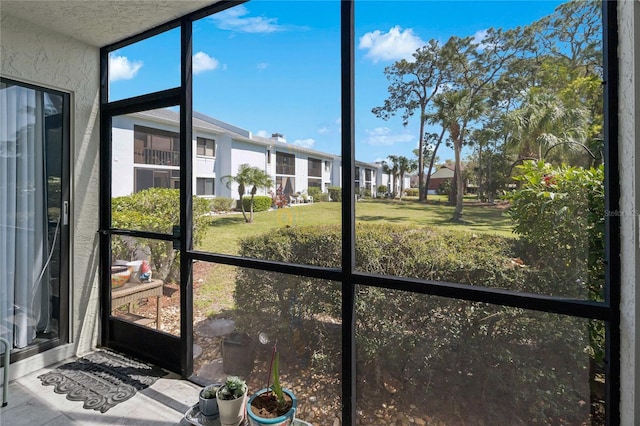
{"x": 457, "y": 215}
{"x": 433, "y": 157}
{"x": 421, "y": 189}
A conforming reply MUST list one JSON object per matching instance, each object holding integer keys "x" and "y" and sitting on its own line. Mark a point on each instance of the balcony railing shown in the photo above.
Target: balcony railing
{"x": 157, "y": 157}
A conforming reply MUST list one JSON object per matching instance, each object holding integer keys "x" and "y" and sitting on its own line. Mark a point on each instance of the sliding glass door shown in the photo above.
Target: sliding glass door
{"x": 34, "y": 217}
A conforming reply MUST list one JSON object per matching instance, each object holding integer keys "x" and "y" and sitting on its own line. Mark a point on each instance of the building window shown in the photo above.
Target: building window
{"x": 315, "y": 167}
{"x": 285, "y": 185}
{"x": 285, "y": 164}
{"x": 205, "y": 186}
{"x": 156, "y": 178}
{"x": 157, "y": 147}
{"x": 268, "y": 156}
{"x": 315, "y": 183}
{"x": 327, "y": 166}
{"x": 206, "y": 147}
{"x": 357, "y": 177}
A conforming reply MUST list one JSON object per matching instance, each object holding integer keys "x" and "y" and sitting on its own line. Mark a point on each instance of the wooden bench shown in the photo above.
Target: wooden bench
{"x": 132, "y": 292}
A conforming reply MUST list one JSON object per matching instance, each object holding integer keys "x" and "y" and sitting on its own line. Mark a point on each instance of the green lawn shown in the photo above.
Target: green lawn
{"x": 226, "y": 230}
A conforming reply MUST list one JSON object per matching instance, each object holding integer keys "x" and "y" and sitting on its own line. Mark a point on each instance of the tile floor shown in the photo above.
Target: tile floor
{"x": 31, "y": 403}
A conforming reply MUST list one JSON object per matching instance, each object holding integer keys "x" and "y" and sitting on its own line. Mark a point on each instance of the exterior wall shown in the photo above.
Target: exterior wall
{"x": 122, "y": 151}
{"x": 629, "y": 134}
{"x": 245, "y": 152}
{"x": 38, "y": 56}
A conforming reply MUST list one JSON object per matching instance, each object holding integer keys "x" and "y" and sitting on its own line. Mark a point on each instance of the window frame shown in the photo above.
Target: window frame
{"x": 205, "y": 140}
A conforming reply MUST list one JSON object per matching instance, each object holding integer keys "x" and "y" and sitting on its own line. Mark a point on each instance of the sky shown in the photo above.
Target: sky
{"x": 274, "y": 66}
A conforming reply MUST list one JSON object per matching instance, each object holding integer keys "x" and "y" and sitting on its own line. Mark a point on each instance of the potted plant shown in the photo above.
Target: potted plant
{"x": 272, "y": 405}
{"x": 231, "y": 401}
{"x": 207, "y": 401}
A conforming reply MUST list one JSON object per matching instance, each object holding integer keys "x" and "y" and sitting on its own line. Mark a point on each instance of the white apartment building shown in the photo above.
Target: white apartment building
{"x": 146, "y": 154}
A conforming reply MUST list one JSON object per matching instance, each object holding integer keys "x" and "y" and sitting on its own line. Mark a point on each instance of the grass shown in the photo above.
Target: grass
{"x": 225, "y": 231}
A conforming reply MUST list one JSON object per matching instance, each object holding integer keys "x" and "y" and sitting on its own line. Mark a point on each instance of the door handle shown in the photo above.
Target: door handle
{"x": 65, "y": 213}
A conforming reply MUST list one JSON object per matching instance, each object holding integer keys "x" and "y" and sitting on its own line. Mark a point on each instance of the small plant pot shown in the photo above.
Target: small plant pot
{"x": 285, "y": 419}
{"x": 208, "y": 406}
{"x": 231, "y": 411}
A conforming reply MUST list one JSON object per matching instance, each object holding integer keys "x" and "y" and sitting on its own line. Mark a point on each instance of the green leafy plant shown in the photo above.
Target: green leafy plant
{"x": 276, "y": 387}
{"x": 233, "y": 388}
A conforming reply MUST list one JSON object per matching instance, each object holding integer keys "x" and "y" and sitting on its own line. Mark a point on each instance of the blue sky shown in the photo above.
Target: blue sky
{"x": 274, "y": 66}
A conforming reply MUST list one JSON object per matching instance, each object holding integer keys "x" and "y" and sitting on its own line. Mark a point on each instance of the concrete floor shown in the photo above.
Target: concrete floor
{"x": 31, "y": 403}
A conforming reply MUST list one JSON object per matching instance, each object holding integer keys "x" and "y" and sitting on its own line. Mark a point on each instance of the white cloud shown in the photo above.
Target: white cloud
{"x": 234, "y": 19}
{"x": 479, "y": 36}
{"x": 263, "y": 134}
{"x": 305, "y": 143}
{"x": 479, "y": 39}
{"x": 120, "y": 68}
{"x": 390, "y": 46}
{"x": 382, "y": 136}
{"x": 323, "y": 130}
{"x": 203, "y": 62}
{"x": 262, "y": 65}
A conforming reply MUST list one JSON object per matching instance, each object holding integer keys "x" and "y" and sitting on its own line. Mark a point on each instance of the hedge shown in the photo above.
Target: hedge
{"x": 154, "y": 210}
{"x": 512, "y": 365}
{"x": 221, "y": 204}
{"x": 261, "y": 203}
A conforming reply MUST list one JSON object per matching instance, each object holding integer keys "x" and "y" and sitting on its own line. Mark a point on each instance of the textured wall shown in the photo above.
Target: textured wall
{"x": 629, "y": 16}
{"x": 38, "y": 56}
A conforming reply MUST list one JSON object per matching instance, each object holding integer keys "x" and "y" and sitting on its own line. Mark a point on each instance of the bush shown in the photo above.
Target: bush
{"x": 154, "y": 210}
{"x": 335, "y": 192}
{"x": 221, "y": 204}
{"x": 559, "y": 214}
{"x": 462, "y": 349}
{"x": 382, "y": 191}
{"x": 315, "y": 193}
{"x": 411, "y": 192}
{"x": 325, "y": 197}
{"x": 261, "y": 203}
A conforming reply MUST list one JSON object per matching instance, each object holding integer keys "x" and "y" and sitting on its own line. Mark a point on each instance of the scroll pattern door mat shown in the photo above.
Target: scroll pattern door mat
{"x": 101, "y": 379}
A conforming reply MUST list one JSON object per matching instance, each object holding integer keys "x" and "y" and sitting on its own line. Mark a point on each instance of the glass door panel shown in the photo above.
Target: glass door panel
{"x": 33, "y": 216}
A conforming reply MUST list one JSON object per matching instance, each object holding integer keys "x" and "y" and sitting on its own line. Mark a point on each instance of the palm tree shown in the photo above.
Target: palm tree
{"x": 458, "y": 109}
{"x": 248, "y": 176}
{"x": 544, "y": 122}
{"x": 394, "y": 172}
{"x": 405, "y": 166}
{"x": 386, "y": 169}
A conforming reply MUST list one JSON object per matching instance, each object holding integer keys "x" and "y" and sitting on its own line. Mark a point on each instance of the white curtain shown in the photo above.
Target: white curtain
{"x": 24, "y": 294}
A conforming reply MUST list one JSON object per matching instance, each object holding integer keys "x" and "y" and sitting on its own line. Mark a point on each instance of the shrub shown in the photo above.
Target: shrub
{"x": 221, "y": 204}
{"x": 463, "y": 349}
{"x": 335, "y": 192}
{"x": 382, "y": 191}
{"x": 558, "y": 212}
{"x": 315, "y": 193}
{"x": 154, "y": 210}
{"x": 325, "y": 197}
{"x": 411, "y": 192}
{"x": 261, "y": 203}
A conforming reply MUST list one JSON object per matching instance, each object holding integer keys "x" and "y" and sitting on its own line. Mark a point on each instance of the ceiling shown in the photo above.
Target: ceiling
{"x": 102, "y": 22}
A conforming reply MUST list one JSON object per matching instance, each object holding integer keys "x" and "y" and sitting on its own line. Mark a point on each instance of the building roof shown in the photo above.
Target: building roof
{"x": 206, "y": 123}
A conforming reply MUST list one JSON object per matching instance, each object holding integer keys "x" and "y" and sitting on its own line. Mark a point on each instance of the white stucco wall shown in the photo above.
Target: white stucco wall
{"x": 38, "y": 56}
{"x": 244, "y": 152}
{"x": 122, "y": 157}
{"x": 629, "y": 114}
